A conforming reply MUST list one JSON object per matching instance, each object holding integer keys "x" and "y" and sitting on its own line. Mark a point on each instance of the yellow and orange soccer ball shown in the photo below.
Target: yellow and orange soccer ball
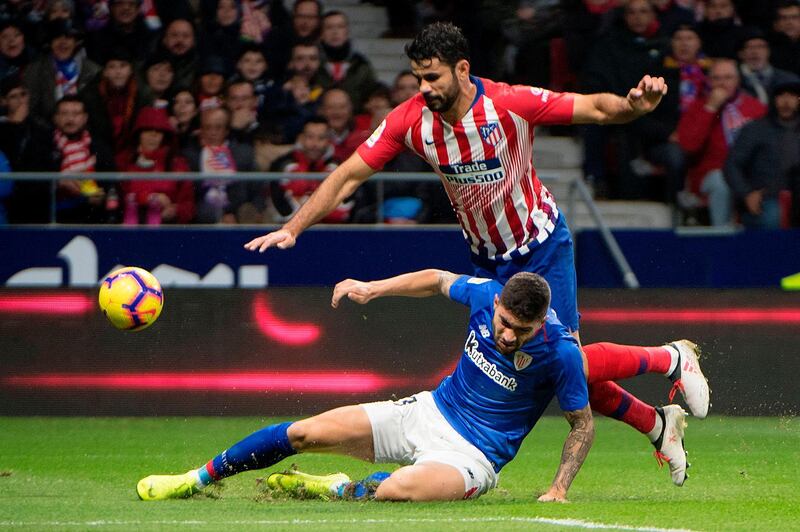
{"x": 131, "y": 298}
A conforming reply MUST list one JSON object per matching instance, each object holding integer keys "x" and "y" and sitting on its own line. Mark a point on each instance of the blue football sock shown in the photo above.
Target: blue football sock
{"x": 363, "y": 489}
{"x": 261, "y": 449}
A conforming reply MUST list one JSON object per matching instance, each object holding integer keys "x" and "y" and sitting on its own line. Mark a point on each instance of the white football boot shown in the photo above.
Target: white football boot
{"x": 669, "y": 446}
{"x": 689, "y": 379}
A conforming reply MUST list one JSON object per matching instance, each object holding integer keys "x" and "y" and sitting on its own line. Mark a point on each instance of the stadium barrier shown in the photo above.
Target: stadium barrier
{"x": 571, "y": 179}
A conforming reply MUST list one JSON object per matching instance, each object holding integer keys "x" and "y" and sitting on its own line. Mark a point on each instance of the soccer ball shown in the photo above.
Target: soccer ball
{"x": 131, "y": 298}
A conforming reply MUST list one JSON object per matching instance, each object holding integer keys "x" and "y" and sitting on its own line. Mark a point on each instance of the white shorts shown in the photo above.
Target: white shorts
{"x": 414, "y": 431}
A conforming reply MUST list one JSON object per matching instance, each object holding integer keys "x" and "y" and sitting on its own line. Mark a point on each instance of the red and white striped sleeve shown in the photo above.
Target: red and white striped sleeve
{"x": 534, "y": 104}
{"x": 388, "y": 139}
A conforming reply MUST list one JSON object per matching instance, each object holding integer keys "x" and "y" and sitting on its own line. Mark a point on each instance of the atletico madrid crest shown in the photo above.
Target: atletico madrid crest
{"x": 490, "y": 133}
{"x": 522, "y": 360}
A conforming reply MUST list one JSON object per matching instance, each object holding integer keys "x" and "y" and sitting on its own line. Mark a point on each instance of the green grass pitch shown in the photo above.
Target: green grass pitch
{"x": 80, "y": 474}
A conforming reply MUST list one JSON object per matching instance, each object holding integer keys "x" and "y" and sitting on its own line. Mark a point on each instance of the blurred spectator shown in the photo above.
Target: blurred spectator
{"x": 617, "y": 62}
{"x": 256, "y": 23}
{"x": 304, "y": 27}
{"x": 184, "y": 114}
{"x": 706, "y": 132}
{"x": 63, "y": 71}
{"x": 588, "y": 20}
{"x": 211, "y": 82}
{"x": 63, "y": 10}
{"x": 156, "y": 80}
{"x": 76, "y": 150}
{"x": 377, "y": 106}
{"x": 405, "y": 86}
{"x": 785, "y": 39}
{"x": 241, "y": 101}
{"x": 126, "y": 28}
{"x": 114, "y": 99}
{"x": 14, "y": 52}
{"x": 6, "y": 187}
{"x": 313, "y": 153}
{"x": 719, "y": 29}
{"x": 251, "y": 65}
{"x": 222, "y": 33}
{"x": 155, "y": 150}
{"x": 92, "y": 15}
{"x": 26, "y": 13}
{"x": 179, "y": 42}
{"x": 759, "y": 164}
{"x": 300, "y": 93}
{"x": 342, "y": 67}
{"x": 336, "y": 108}
{"x": 160, "y": 13}
{"x": 212, "y": 152}
{"x": 758, "y": 75}
{"x": 27, "y": 143}
{"x": 529, "y": 30}
{"x": 671, "y": 15}
{"x": 686, "y": 66}
{"x": 269, "y": 146}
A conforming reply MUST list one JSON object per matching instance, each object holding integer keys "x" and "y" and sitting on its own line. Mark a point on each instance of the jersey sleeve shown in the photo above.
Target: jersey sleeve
{"x": 387, "y": 141}
{"x": 537, "y": 105}
{"x": 570, "y": 381}
{"x": 473, "y": 291}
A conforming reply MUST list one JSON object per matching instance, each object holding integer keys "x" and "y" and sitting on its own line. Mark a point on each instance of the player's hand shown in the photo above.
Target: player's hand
{"x": 553, "y": 496}
{"x": 281, "y": 239}
{"x": 357, "y": 291}
{"x": 647, "y": 95}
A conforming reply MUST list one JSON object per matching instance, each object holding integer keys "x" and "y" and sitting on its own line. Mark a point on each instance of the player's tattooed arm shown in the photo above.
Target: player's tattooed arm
{"x": 446, "y": 280}
{"x": 576, "y": 447}
{"x": 423, "y": 283}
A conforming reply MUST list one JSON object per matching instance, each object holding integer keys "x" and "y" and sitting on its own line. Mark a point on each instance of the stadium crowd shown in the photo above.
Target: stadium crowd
{"x": 227, "y": 86}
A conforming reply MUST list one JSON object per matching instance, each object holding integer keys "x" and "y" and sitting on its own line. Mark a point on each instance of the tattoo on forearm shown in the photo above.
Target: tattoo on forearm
{"x": 445, "y": 280}
{"x": 576, "y": 447}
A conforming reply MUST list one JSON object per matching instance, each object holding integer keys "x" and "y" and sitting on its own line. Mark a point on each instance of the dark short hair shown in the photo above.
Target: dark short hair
{"x": 298, "y": 2}
{"x": 784, "y": 4}
{"x": 335, "y": 13}
{"x": 527, "y": 296}
{"x": 239, "y": 81}
{"x": 70, "y": 98}
{"x": 9, "y": 83}
{"x": 442, "y": 40}
{"x": 316, "y": 120}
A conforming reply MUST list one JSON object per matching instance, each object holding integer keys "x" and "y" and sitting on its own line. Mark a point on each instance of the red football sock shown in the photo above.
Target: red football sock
{"x": 611, "y": 362}
{"x": 611, "y": 400}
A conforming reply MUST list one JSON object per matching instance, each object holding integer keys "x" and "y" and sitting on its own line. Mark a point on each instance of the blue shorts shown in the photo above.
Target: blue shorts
{"x": 553, "y": 259}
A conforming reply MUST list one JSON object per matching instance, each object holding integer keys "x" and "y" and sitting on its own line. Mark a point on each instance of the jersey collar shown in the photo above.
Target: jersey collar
{"x": 478, "y": 93}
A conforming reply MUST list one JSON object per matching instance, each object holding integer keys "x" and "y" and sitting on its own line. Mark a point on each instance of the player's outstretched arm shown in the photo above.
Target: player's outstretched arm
{"x": 576, "y": 447}
{"x": 423, "y": 283}
{"x": 604, "y": 108}
{"x": 335, "y": 188}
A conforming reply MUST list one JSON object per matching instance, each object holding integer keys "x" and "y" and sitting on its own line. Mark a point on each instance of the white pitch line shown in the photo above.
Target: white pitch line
{"x": 567, "y": 523}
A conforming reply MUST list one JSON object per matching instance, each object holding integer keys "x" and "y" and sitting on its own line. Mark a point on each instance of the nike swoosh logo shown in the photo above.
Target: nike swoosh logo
{"x": 429, "y": 141}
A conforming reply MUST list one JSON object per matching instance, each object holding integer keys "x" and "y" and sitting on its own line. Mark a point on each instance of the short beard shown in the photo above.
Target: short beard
{"x": 442, "y": 104}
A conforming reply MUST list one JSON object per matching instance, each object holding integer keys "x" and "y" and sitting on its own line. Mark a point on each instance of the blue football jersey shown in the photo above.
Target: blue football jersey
{"x": 494, "y": 400}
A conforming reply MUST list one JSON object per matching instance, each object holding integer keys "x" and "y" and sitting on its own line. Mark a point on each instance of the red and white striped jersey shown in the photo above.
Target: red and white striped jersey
{"x": 485, "y": 161}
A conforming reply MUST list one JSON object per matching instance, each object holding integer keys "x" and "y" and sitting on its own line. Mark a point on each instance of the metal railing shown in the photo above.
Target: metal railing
{"x": 577, "y": 190}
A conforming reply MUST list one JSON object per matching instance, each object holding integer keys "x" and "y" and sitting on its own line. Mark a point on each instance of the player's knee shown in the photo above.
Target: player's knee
{"x": 301, "y": 435}
{"x": 398, "y": 487}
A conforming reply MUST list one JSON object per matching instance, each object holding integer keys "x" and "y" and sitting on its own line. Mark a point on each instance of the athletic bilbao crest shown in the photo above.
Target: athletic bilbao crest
{"x": 522, "y": 360}
{"x": 490, "y": 133}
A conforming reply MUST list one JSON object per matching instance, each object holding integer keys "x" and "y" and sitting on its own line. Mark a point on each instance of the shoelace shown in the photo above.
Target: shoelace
{"x": 677, "y": 385}
{"x": 661, "y": 458}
